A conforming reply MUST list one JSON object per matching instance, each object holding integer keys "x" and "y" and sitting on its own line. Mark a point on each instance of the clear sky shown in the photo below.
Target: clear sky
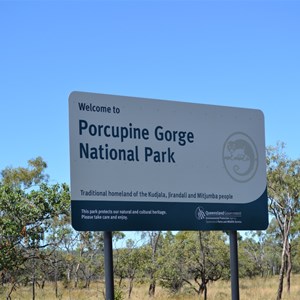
{"x": 233, "y": 53}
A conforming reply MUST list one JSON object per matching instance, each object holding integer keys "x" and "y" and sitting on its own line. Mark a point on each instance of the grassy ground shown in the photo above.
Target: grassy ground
{"x": 254, "y": 289}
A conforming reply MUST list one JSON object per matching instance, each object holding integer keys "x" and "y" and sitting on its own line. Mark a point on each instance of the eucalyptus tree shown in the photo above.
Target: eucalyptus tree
{"x": 25, "y": 177}
{"x": 153, "y": 242}
{"x": 130, "y": 264}
{"x": 193, "y": 259}
{"x": 296, "y": 244}
{"x": 273, "y": 247}
{"x": 27, "y": 207}
{"x": 89, "y": 257}
{"x": 251, "y": 258}
{"x": 283, "y": 189}
{"x": 207, "y": 259}
{"x": 61, "y": 239}
{"x": 172, "y": 269}
{"x": 258, "y": 253}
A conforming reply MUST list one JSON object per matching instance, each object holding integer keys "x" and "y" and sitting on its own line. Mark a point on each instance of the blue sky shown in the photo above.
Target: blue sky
{"x": 233, "y": 53}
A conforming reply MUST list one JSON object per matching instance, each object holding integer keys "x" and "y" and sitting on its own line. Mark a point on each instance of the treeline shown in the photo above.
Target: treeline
{"x": 38, "y": 245}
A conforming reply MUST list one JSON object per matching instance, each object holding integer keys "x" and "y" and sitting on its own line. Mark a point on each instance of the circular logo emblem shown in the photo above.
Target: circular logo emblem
{"x": 200, "y": 213}
{"x": 240, "y": 157}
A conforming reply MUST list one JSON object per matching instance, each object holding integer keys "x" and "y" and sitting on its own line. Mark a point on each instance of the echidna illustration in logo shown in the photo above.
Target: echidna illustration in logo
{"x": 240, "y": 157}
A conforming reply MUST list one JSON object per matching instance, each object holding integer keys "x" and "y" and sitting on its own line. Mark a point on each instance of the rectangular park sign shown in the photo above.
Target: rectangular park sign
{"x": 145, "y": 164}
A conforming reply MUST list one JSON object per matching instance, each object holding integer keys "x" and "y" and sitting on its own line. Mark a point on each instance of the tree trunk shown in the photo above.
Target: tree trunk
{"x": 87, "y": 282}
{"x": 2, "y": 278}
{"x": 130, "y": 287}
{"x": 283, "y": 259}
{"x": 289, "y": 267}
{"x": 56, "y": 289}
{"x": 55, "y": 275}
{"x": 13, "y": 288}
{"x": 33, "y": 289}
{"x": 68, "y": 278}
{"x": 152, "y": 288}
{"x": 205, "y": 292}
{"x": 281, "y": 276}
{"x": 154, "y": 238}
{"x": 33, "y": 281}
{"x": 76, "y": 276}
{"x": 120, "y": 281}
{"x": 203, "y": 287}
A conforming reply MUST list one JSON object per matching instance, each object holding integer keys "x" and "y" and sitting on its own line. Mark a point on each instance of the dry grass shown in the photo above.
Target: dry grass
{"x": 253, "y": 289}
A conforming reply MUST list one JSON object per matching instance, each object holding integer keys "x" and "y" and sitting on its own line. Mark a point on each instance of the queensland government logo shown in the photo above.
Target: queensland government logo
{"x": 200, "y": 213}
{"x": 218, "y": 216}
{"x": 240, "y": 157}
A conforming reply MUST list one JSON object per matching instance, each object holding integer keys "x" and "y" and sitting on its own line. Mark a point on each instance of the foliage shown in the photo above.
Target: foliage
{"x": 153, "y": 244}
{"x": 197, "y": 259}
{"x": 129, "y": 263}
{"x": 257, "y": 256}
{"x": 25, "y": 177}
{"x": 284, "y": 191}
{"x": 172, "y": 266}
{"x": 26, "y": 215}
{"x": 38, "y": 244}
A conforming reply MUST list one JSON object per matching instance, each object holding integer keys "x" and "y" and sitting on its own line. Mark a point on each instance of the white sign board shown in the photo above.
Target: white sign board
{"x": 128, "y": 151}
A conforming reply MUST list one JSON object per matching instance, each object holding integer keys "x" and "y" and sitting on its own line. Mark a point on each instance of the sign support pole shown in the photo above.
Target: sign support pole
{"x": 108, "y": 266}
{"x": 234, "y": 268}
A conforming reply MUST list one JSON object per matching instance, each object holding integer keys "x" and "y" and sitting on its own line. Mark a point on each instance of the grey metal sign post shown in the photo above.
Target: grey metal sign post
{"x": 234, "y": 269}
{"x": 108, "y": 266}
